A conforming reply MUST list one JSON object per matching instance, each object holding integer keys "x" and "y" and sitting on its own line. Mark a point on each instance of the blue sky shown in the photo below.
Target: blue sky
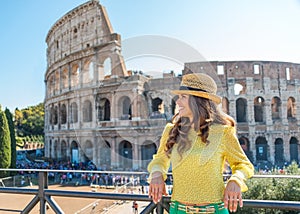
{"x": 218, "y": 29}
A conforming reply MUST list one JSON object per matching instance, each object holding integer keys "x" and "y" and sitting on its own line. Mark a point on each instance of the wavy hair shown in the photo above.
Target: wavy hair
{"x": 205, "y": 113}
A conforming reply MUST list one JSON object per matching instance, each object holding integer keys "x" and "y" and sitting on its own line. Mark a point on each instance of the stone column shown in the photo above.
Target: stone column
{"x": 271, "y": 146}
{"x": 135, "y": 154}
{"x": 114, "y": 153}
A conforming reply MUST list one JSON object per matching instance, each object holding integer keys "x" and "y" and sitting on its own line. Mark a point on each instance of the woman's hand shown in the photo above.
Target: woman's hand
{"x": 157, "y": 187}
{"x": 232, "y": 196}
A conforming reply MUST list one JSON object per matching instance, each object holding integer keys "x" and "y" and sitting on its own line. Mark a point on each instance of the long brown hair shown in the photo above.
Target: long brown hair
{"x": 205, "y": 112}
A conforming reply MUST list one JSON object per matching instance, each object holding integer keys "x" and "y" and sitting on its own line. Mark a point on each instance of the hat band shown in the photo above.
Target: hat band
{"x": 182, "y": 87}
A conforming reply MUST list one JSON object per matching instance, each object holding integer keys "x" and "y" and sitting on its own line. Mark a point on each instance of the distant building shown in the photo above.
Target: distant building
{"x": 262, "y": 96}
{"x": 96, "y": 110}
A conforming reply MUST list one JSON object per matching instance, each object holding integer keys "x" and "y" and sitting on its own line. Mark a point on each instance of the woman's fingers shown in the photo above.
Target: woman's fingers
{"x": 232, "y": 196}
{"x": 157, "y": 187}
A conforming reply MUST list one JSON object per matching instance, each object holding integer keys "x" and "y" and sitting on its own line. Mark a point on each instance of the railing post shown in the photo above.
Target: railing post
{"x": 43, "y": 184}
{"x": 160, "y": 208}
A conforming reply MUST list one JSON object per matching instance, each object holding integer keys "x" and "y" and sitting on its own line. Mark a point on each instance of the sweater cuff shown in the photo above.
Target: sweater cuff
{"x": 240, "y": 179}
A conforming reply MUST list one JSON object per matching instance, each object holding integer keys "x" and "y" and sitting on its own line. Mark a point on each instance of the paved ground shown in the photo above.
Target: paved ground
{"x": 14, "y": 203}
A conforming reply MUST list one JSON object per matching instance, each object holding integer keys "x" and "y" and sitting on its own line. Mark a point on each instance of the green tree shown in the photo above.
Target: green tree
{"x": 29, "y": 124}
{"x": 5, "y": 142}
{"x": 11, "y": 126}
{"x": 30, "y": 121}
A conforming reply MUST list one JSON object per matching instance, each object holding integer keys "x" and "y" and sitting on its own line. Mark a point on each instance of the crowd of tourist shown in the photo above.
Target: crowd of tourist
{"x": 79, "y": 178}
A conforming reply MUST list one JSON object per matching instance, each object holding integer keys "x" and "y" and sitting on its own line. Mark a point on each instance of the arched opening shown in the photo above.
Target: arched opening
{"x": 74, "y": 113}
{"x": 291, "y": 108}
{"x": 63, "y": 150}
{"x": 107, "y": 68}
{"x": 74, "y": 152}
{"x": 88, "y": 72}
{"x": 294, "y": 149}
{"x": 241, "y": 110}
{"x": 125, "y": 151}
{"x": 75, "y": 75}
{"x": 65, "y": 78}
{"x": 259, "y": 110}
{"x": 157, "y": 108}
{"x": 279, "y": 150}
{"x": 125, "y": 104}
{"x": 261, "y": 149}
{"x": 63, "y": 114}
{"x": 245, "y": 144}
{"x": 55, "y": 118}
{"x": 276, "y": 108}
{"x": 87, "y": 111}
{"x": 148, "y": 150}
{"x": 103, "y": 110}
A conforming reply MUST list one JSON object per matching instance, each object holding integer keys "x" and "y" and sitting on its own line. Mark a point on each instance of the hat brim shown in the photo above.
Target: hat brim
{"x": 206, "y": 95}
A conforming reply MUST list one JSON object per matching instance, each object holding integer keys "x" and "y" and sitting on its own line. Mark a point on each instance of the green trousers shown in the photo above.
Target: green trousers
{"x": 178, "y": 208}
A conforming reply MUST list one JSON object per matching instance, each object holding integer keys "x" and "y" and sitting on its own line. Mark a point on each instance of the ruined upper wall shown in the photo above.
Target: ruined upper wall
{"x": 83, "y": 27}
{"x": 241, "y": 70}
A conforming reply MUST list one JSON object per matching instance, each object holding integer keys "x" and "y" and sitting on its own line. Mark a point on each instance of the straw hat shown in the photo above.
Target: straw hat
{"x": 200, "y": 85}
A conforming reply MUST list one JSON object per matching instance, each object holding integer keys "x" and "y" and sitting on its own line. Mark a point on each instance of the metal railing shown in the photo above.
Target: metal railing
{"x": 43, "y": 194}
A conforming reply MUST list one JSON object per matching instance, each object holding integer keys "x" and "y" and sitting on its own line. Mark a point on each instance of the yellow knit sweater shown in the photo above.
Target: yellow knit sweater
{"x": 197, "y": 176}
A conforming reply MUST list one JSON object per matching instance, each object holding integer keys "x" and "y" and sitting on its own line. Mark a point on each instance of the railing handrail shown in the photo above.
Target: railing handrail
{"x": 43, "y": 194}
{"x": 135, "y": 172}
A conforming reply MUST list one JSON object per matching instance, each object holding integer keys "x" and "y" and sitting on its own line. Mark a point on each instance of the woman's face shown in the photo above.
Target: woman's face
{"x": 183, "y": 106}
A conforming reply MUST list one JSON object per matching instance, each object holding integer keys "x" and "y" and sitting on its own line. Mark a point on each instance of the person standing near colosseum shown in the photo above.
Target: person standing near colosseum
{"x": 197, "y": 143}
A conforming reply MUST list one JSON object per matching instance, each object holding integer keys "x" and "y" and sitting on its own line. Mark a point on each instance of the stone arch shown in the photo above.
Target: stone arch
{"x": 63, "y": 114}
{"x": 74, "y": 152}
{"x": 148, "y": 149}
{"x": 259, "y": 109}
{"x": 125, "y": 108}
{"x": 291, "y": 108}
{"x": 241, "y": 110}
{"x": 75, "y": 73}
{"x": 294, "y": 149}
{"x": 103, "y": 109}
{"x": 87, "y": 111}
{"x": 74, "y": 112}
{"x": 276, "y": 108}
{"x": 261, "y": 149}
{"x": 279, "y": 151}
{"x": 125, "y": 151}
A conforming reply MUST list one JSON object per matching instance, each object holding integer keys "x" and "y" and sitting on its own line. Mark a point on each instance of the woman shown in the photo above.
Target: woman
{"x": 198, "y": 142}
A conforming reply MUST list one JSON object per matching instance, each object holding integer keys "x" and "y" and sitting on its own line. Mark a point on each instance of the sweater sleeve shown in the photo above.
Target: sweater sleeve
{"x": 241, "y": 167}
{"x": 161, "y": 161}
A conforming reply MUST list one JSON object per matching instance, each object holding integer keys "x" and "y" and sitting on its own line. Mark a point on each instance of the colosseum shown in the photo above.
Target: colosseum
{"x": 96, "y": 110}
